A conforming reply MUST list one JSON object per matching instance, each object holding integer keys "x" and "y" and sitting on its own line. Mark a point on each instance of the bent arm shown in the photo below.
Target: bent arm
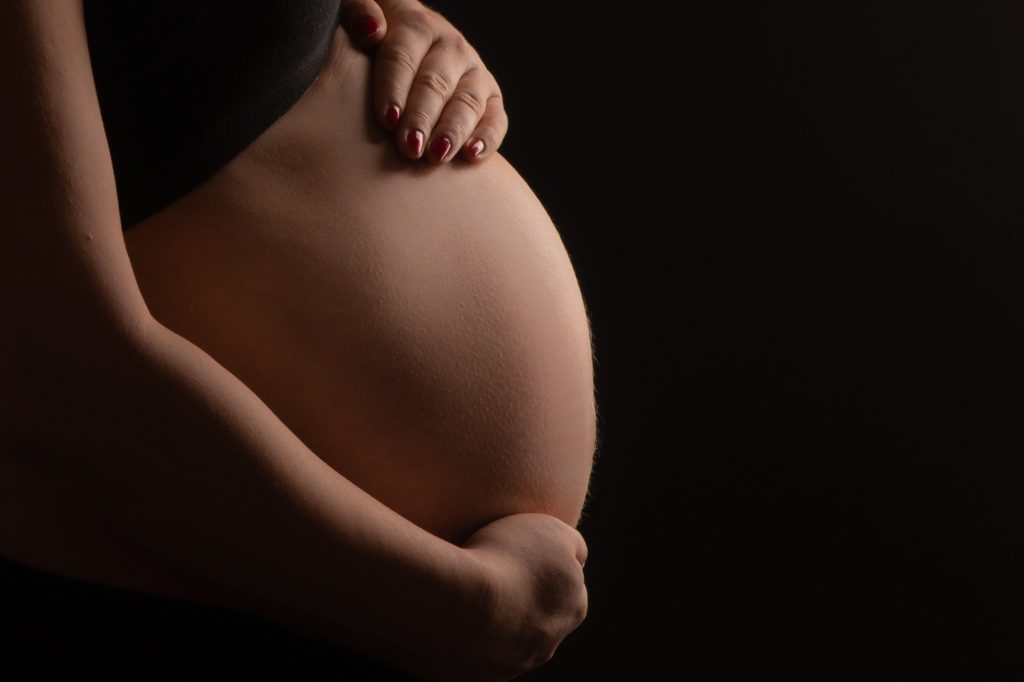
{"x": 148, "y": 432}
{"x": 173, "y": 452}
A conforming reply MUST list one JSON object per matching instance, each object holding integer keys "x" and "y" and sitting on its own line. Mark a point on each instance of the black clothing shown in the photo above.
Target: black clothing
{"x": 185, "y": 85}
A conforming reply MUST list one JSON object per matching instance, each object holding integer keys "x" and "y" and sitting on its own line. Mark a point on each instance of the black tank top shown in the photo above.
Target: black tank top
{"x": 185, "y": 85}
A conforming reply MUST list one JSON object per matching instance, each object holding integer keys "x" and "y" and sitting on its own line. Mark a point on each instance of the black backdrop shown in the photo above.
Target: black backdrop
{"x": 797, "y": 227}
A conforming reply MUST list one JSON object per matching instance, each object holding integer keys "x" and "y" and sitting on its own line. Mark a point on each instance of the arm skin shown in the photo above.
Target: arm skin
{"x": 173, "y": 452}
{"x": 154, "y": 437}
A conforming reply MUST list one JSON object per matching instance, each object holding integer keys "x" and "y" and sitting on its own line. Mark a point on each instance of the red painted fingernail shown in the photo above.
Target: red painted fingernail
{"x": 392, "y": 114}
{"x": 415, "y": 139}
{"x": 476, "y": 147}
{"x": 366, "y": 26}
{"x": 440, "y": 147}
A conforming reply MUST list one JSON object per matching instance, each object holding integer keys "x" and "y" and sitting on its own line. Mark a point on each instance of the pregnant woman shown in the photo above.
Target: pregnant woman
{"x": 284, "y": 364}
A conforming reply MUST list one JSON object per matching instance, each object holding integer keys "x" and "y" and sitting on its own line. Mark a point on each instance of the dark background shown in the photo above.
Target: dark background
{"x": 797, "y": 228}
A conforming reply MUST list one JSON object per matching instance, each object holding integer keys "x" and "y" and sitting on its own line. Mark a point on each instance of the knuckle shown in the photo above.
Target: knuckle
{"x": 455, "y": 41}
{"x": 419, "y": 119}
{"x": 470, "y": 99}
{"x": 497, "y": 100}
{"x": 434, "y": 81}
{"x": 400, "y": 59}
{"x": 416, "y": 20}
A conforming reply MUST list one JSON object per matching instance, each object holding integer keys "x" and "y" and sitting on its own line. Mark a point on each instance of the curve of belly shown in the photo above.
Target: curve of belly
{"x": 419, "y": 327}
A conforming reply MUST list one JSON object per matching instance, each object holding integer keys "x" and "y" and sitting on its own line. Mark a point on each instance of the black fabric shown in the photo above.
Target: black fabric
{"x": 52, "y": 622}
{"x": 185, "y": 85}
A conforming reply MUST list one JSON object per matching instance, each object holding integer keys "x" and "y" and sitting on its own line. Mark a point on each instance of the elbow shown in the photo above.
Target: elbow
{"x": 57, "y": 385}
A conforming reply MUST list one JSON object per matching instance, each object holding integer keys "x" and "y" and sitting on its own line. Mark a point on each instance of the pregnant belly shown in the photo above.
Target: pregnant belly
{"x": 419, "y": 327}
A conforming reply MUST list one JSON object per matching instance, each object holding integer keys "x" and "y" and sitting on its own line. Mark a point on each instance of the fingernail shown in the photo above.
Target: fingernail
{"x": 392, "y": 114}
{"x": 440, "y": 147}
{"x": 415, "y": 139}
{"x": 366, "y": 26}
{"x": 476, "y": 147}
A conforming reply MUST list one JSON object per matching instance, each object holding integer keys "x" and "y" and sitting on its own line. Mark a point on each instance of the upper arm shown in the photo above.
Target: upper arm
{"x": 66, "y": 281}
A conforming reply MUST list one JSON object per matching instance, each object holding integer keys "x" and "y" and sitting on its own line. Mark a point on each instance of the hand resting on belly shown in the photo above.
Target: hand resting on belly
{"x": 418, "y": 326}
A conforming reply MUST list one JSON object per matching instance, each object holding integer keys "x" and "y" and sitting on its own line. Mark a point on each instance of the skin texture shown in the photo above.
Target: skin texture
{"x": 436, "y": 80}
{"x": 130, "y": 456}
{"x": 419, "y": 327}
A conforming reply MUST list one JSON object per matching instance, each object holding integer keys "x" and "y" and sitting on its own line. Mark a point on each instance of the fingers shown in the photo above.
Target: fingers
{"x": 397, "y": 64}
{"x": 432, "y": 90}
{"x": 489, "y": 131}
{"x": 460, "y": 114}
{"x": 450, "y": 105}
{"x": 364, "y": 20}
{"x": 423, "y": 81}
{"x": 436, "y": 82}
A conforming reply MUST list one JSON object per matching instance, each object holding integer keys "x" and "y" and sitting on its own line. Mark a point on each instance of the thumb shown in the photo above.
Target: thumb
{"x": 364, "y": 21}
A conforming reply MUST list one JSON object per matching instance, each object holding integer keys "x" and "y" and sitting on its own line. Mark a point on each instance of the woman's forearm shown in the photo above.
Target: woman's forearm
{"x": 172, "y": 451}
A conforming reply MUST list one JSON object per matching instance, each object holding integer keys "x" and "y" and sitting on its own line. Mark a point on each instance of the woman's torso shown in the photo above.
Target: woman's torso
{"x": 419, "y": 327}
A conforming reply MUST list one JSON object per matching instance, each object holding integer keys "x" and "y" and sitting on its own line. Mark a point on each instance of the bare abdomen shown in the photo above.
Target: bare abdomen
{"x": 419, "y": 327}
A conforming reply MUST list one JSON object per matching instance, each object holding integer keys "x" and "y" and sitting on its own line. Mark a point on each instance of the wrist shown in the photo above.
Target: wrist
{"x": 448, "y": 614}
{"x": 430, "y": 605}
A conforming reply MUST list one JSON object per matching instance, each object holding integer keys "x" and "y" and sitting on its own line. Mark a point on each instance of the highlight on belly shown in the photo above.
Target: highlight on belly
{"x": 420, "y": 328}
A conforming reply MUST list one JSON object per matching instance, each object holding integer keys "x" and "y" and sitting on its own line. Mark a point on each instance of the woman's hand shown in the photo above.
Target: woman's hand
{"x": 533, "y": 567}
{"x": 431, "y": 86}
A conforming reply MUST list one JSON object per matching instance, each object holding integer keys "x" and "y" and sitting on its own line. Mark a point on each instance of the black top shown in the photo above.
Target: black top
{"x": 185, "y": 85}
